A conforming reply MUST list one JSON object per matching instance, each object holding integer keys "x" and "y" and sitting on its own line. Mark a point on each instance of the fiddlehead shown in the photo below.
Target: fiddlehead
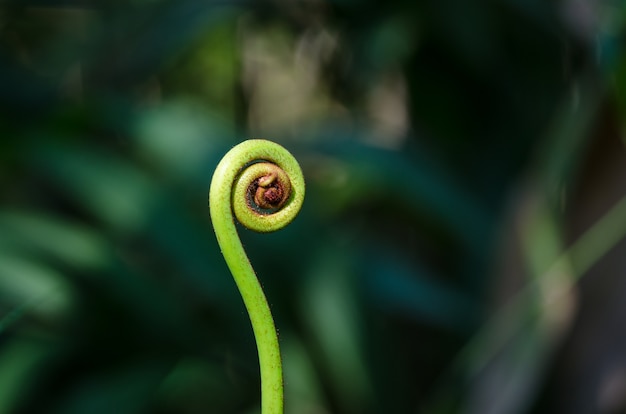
{"x": 265, "y": 186}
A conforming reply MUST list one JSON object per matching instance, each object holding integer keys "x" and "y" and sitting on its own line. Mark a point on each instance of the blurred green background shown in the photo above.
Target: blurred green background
{"x": 461, "y": 248}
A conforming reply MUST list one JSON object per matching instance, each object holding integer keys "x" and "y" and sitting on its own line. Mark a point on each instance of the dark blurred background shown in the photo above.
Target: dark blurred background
{"x": 461, "y": 248}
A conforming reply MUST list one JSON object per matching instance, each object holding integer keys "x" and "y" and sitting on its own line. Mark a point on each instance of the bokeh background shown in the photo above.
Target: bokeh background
{"x": 461, "y": 248}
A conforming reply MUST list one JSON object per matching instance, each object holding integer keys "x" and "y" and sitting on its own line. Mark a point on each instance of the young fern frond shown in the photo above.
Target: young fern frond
{"x": 262, "y": 183}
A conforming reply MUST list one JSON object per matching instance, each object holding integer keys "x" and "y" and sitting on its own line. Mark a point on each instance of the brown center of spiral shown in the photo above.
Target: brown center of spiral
{"x": 270, "y": 192}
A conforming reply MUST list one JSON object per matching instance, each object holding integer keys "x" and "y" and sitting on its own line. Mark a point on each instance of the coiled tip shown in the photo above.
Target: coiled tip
{"x": 266, "y": 184}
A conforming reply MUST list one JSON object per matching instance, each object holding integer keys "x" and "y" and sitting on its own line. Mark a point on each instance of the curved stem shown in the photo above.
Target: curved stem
{"x": 250, "y": 168}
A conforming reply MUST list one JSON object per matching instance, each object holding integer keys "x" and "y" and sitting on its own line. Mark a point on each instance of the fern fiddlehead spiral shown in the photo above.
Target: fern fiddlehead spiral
{"x": 262, "y": 184}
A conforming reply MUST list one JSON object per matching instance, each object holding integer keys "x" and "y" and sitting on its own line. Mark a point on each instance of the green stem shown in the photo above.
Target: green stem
{"x": 266, "y": 187}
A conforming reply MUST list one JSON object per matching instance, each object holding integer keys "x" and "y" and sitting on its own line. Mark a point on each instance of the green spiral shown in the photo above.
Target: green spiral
{"x": 262, "y": 183}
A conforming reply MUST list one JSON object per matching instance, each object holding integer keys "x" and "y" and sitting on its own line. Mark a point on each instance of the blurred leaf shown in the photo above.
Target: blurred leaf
{"x": 181, "y": 139}
{"x": 38, "y": 232}
{"x": 331, "y": 314}
{"x": 112, "y": 190}
{"x": 34, "y": 287}
{"x": 302, "y": 382}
